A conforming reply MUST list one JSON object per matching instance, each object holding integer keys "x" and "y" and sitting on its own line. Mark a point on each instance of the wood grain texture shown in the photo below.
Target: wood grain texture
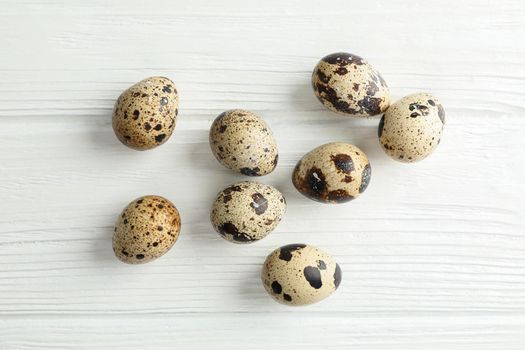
{"x": 433, "y": 254}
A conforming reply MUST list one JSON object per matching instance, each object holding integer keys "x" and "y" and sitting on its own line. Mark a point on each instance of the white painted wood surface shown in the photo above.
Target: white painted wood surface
{"x": 433, "y": 254}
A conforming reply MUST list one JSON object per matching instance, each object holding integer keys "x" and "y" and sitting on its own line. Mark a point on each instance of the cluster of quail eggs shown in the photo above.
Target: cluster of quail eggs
{"x": 144, "y": 117}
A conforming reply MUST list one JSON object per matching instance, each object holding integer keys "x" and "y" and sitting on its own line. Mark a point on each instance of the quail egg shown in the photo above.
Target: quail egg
{"x": 300, "y": 274}
{"x": 349, "y": 85}
{"x": 146, "y": 229}
{"x": 412, "y": 127}
{"x": 247, "y": 211}
{"x": 243, "y": 142}
{"x": 335, "y": 172}
{"x": 144, "y": 115}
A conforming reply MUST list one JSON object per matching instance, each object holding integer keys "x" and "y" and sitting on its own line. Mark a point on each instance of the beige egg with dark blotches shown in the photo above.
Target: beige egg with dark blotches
{"x": 146, "y": 229}
{"x": 335, "y": 172}
{"x": 247, "y": 211}
{"x": 300, "y": 274}
{"x": 243, "y": 142}
{"x": 412, "y": 127}
{"x": 347, "y": 84}
{"x": 145, "y": 115}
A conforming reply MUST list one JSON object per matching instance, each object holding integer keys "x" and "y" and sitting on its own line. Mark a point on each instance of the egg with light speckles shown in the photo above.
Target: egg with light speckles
{"x": 335, "y": 172}
{"x": 146, "y": 229}
{"x": 412, "y": 127}
{"x": 145, "y": 115}
{"x": 247, "y": 211}
{"x": 243, "y": 142}
{"x": 300, "y": 274}
{"x": 348, "y": 85}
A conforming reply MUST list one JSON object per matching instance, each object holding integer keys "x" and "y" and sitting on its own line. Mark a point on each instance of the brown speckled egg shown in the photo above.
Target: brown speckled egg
{"x": 243, "y": 142}
{"x": 145, "y": 230}
{"x": 144, "y": 115}
{"x": 412, "y": 127}
{"x": 347, "y": 84}
{"x": 300, "y": 274}
{"x": 335, "y": 172}
{"x": 247, "y": 211}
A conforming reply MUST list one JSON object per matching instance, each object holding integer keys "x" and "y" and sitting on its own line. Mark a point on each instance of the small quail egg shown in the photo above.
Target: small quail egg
{"x": 243, "y": 142}
{"x": 335, "y": 172}
{"x": 146, "y": 229}
{"x": 300, "y": 274}
{"x": 412, "y": 127}
{"x": 247, "y": 211}
{"x": 144, "y": 115}
{"x": 347, "y": 84}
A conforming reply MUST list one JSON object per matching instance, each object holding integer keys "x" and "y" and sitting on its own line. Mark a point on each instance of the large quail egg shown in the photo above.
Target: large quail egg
{"x": 146, "y": 229}
{"x": 243, "y": 142}
{"x": 247, "y": 211}
{"x": 300, "y": 274}
{"x": 335, "y": 172}
{"x": 412, "y": 127}
{"x": 347, "y": 84}
{"x": 144, "y": 115}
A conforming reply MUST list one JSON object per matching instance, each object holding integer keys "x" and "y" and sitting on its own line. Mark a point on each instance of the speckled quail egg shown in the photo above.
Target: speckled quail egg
{"x": 146, "y": 229}
{"x": 347, "y": 84}
{"x": 247, "y": 211}
{"x": 243, "y": 142}
{"x": 300, "y": 274}
{"x": 412, "y": 127}
{"x": 335, "y": 172}
{"x": 144, "y": 115}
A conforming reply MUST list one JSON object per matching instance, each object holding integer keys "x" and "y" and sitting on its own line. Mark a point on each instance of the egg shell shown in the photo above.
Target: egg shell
{"x": 335, "y": 172}
{"x": 145, "y": 115}
{"x": 346, "y": 84}
{"x": 247, "y": 211}
{"x": 300, "y": 274}
{"x": 243, "y": 142}
{"x": 146, "y": 229}
{"x": 412, "y": 127}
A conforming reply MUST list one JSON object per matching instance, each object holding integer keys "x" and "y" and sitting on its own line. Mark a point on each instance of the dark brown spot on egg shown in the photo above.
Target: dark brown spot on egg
{"x": 371, "y": 105}
{"x": 228, "y": 228}
{"x": 441, "y": 113}
{"x": 341, "y": 70}
{"x": 343, "y": 162}
{"x": 160, "y": 137}
{"x": 337, "y": 276}
{"x": 365, "y": 178}
{"x": 418, "y": 107}
{"x": 326, "y": 93}
{"x": 276, "y": 287}
{"x": 313, "y": 276}
{"x": 343, "y": 59}
{"x": 250, "y": 171}
{"x": 381, "y": 126}
{"x": 323, "y": 77}
{"x": 285, "y": 252}
{"x": 339, "y": 196}
{"x": 259, "y": 204}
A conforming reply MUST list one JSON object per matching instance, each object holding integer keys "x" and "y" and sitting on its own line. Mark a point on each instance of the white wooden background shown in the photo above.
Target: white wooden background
{"x": 433, "y": 253}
